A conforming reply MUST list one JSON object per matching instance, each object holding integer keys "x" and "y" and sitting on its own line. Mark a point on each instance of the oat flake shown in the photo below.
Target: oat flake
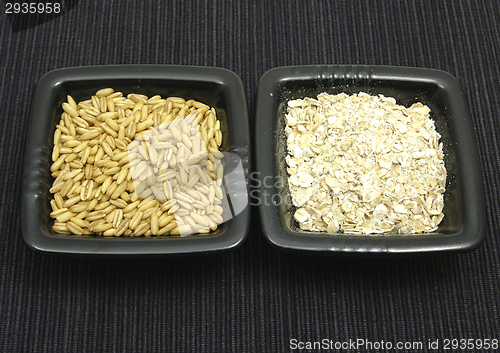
{"x": 363, "y": 164}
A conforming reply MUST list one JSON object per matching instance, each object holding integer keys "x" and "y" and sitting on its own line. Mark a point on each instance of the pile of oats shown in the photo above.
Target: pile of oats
{"x": 136, "y": 166}
{"x": 363, "y": 164}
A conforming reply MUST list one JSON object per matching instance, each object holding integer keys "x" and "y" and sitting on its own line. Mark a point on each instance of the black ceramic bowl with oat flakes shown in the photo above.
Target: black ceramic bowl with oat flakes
{"x": 215, "y": 87}
{"x": 463, "y": 225}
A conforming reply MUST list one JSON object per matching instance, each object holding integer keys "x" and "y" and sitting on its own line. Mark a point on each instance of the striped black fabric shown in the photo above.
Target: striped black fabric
{"x": 255, "y": 298}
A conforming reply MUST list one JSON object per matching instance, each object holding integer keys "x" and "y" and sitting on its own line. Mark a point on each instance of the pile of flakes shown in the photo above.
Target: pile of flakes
{"x": 363, "y": 164}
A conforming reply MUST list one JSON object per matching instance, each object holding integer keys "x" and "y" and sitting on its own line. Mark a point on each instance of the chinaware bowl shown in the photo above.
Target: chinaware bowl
{"x": 216, "y": 87}
{"x": 463, "y": 226}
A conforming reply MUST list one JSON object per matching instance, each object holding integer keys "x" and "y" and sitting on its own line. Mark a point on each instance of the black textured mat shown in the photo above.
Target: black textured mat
{"x": 252, "y": 299}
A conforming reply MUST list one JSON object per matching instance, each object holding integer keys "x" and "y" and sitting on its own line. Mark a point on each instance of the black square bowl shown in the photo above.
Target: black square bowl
{"x": 463, "y": 226}
{"x": 216, "y": 87}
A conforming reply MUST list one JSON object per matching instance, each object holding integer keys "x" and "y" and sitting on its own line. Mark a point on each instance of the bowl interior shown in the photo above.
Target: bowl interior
{"x": 205, "y": 92}
{"x": 406, "y": 93}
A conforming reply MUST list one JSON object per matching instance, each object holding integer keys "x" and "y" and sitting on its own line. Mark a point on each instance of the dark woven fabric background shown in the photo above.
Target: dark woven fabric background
{"x": 255, "y": 298}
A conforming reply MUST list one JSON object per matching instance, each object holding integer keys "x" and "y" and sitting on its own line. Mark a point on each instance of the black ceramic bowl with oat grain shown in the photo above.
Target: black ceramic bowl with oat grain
{"x": 215, "y": 87}
{"x": 463, "y": 225}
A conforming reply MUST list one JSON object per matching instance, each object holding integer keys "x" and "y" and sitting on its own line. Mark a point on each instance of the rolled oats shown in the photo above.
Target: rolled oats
{"x": 363, "y": 164}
